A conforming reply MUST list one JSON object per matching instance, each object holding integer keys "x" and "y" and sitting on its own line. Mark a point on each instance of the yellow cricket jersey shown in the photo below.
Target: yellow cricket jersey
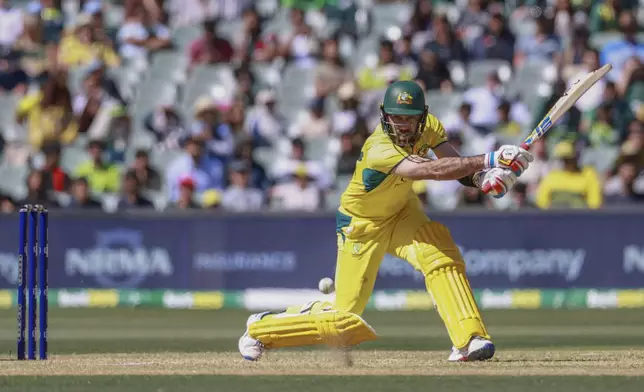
{"x": 376, "y": 193}
{"x": 564, "y": 189}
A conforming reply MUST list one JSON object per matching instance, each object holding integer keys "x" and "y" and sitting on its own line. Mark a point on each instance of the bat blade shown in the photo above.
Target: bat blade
{"x": 563, "y": 104}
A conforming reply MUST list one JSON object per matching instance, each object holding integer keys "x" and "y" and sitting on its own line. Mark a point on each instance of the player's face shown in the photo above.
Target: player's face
{"x": 406, "y": 128}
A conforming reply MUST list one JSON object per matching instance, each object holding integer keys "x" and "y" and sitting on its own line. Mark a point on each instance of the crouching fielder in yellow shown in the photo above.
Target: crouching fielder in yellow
{"x": 379, "y": 214}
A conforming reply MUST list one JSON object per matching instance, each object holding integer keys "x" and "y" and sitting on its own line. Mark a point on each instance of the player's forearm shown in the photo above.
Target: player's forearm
{"x": 445, "y": 169}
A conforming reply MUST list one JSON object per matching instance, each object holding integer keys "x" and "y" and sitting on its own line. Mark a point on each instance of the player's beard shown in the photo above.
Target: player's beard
{"x": 403, "y": 135}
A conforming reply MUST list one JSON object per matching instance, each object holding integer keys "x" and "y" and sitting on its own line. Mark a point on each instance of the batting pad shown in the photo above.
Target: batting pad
{"x": 330, "y": 327}
{"x": 455, "y": 303}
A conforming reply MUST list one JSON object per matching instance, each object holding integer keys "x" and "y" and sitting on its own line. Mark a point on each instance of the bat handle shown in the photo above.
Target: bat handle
{"x": 487, "y": 187}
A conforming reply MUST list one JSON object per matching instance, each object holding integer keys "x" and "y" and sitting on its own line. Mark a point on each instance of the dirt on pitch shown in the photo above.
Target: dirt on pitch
{"x": 515, "y": 363}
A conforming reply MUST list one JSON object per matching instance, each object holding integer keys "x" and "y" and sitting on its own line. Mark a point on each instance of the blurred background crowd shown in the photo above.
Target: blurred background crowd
{"x": 264, "y": 105}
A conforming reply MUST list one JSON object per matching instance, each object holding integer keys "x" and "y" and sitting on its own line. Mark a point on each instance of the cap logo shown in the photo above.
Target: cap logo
{"x": 405, "y": 98}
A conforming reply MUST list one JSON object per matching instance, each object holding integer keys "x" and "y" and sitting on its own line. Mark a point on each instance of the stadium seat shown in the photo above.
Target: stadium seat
{"x": 183, "y": 36}
{"x": 168, "y": 65}
{"x": 440, "y": 103}
{"x": 203, "y": 79}
{"x": 387, "y": 15}
{"x": 478, "y": 71}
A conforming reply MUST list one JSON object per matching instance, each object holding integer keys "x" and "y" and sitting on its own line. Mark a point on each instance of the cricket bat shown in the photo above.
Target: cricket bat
{"x": 563, "y": 104}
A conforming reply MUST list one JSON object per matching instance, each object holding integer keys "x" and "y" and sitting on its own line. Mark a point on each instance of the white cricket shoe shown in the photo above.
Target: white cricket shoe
{"x": 251, "y": 349}
{"x": 479, "y": 349}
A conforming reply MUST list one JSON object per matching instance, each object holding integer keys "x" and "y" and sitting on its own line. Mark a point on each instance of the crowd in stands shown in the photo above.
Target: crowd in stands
{"x": 246, "y": 106}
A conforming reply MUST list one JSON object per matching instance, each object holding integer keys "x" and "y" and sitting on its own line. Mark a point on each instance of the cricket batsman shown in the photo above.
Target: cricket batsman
{"x": 379, "y": 213}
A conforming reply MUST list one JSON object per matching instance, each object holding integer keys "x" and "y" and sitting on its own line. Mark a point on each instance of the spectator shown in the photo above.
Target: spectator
{"x": 235, "y": 117}
{"x": 102, "y": 175}
{"x": 520, "y": 198}
{"x": 13, "y": 79}
{"x": 621, "y": 188}
{"x": 96, "y": 103}
{"x": 245, "y": 84}
{"x": 81, "y": 197}
{"x": 186, "y": 197}
{"x": 31, "y": 44}
{"x": 602, "y": 132}
{"x": 299, "y": 45}
{"x": 210, "y": 48}
{"x": 604, "y": 16}
{"x": 190, "y": 12}
{"x": 386, "y": 71}
{"x": 258, "y": 177}
{"x": 506, "y": 127}
{"x": 630, "y": 86}
{"x": 131, "y": 196}
{"x": 542, "y": 46}
{"x": 285, "y": 168}
{"x": 140, "y": 35}
{"x": 348, "y": 119}
{"x": 350, "y": 153}
{"x": 563, "y": 19}
{"x": 250, "y": 43}
{"x": 445, "y": 44}
{"x": 147, "y": 176}
{"x": 313, "y": 123}
{"x": 619, "y": 51}
{"x": 472, "y": 21}
{"x": 82, "y": 46}
{"x": 239, "y": 196}
{"x": 36, "y": 191}
{"x": 47, "y": 114}
{"x": 496, "y": 43}
{"x": 331, "y": 72}
{"x": 485, "y": 100}
{"x": 420, "y": 24}
{"x": 264, "y": 124}
{"x": 94, "y": 8}
{"x": 7, "y": 204}
{"x": 166, "y": 125}
{"x": 300, "y": 194}
{"x": 52, "y": 18}
{"x": 211, "y": 199}
{"x": 575, "y": 52}
{"x": 12, "y": 24}
{"x": 54, "y": 177}
{"x": 207, "y": 172}
{"x": 571, "y": 186}
{"x": 433, "y": 72}
{"x": 216, "y": 135}
{"x": 404, "y": 52}
{"x": 539, "y": 168}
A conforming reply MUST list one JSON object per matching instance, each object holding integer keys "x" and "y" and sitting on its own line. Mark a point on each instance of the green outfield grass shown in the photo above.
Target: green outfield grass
{"x": 174, "y": 350}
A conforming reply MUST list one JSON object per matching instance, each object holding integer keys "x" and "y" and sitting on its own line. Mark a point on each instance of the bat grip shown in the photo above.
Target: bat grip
{"x": 487, "y": 187}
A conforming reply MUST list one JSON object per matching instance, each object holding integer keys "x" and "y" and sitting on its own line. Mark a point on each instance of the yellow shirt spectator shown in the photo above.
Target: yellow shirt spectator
{"x": 80, "y": 48}
{"x": 101, "y": 176}
{"x": 570, "y": 187}
{"x": 48, "y": 119}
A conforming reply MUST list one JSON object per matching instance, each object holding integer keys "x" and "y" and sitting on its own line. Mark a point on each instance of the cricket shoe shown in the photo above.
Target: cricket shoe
{"x": 479, "y": 349}
{"x": 251, "y": 349}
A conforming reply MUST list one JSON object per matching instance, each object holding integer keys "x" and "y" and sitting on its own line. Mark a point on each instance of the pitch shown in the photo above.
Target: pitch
{"x": 172, "y": 350}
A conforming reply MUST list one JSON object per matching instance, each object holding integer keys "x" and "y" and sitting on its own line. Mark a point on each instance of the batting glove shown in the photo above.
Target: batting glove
{"x": 510, "y": 157}
{"x": 499, "y": 180}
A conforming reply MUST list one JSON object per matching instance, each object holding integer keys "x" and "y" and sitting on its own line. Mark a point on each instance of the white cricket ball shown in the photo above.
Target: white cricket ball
{"x": 326, "y": 285}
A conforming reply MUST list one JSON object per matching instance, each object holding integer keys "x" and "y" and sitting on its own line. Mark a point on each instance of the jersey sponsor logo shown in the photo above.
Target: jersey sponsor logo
{"x": 404, "y": 98}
